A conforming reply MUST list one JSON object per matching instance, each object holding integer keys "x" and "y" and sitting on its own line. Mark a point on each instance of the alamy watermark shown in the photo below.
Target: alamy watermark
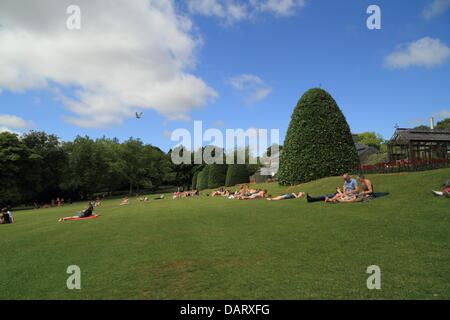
{"x": 74, "y": 281}
{"x": 237, "y": 146}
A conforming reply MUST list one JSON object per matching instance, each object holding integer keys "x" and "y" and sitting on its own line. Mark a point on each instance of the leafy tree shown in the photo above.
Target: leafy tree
{"x": 371, "y": 139}
{"x": 236, "y": 174}
{"x": 49, "y": 160}
{"x": 83, "y": 169}
{"x": 217, "y": 175}
{"x": 202, "y": 179}
{"x": 443, "y": 124}
{"x": 422, "y": 127}
{"x": 16, "y": 161}
{"x": 194, "y": 180}
{"x": 318, "y": 142}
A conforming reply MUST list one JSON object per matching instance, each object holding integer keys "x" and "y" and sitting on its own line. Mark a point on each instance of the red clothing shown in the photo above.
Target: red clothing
{"x": 447, "y": 190}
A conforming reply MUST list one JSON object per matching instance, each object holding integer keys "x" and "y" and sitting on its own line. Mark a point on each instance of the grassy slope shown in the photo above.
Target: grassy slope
{"x": 213, "y": 248}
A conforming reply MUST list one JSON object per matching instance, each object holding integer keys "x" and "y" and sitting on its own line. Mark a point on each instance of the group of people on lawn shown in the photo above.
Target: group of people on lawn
{"x": 351, "y": 192}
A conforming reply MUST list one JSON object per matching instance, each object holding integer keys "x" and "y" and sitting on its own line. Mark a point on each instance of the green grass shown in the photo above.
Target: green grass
{"x": 214, "y": 248}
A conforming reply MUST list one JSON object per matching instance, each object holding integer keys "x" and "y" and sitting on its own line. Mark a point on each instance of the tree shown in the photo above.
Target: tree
{"x": 49, "y": 161}
{"x": 318, "y": 142}
{"x": 194, "y": 180}
{"x": 202, "y": 179}
{"x": 371, "y": 139}
{"x": 443, "y": 124}
{"x": 16, "y": 161}
{"x": 84, "y": 169}
{"x": 236, "y": 174}
{"x": 217, "y": 175}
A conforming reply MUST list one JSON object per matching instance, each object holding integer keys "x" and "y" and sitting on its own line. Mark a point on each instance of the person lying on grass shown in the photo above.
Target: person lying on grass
{"x": 445, "y": 192}
{"x": 125, "y": 202}
{"x": 288, "y": 196}
{"x": 219, "y": 192}
{"x": 259, "y": 194}
{"x": 82, "y": 214}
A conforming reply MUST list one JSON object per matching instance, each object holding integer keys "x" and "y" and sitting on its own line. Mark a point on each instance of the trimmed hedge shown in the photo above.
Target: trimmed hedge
{"x": 194, "y": 180}
{"x": 217, "y": 175}
{"x": 236, "y": 174}
{"x": 202, "y": 178}
{"x": 318, "y": 142}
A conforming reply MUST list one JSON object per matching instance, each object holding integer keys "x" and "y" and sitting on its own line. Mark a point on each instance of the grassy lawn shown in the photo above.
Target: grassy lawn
{"x": 214, "y": 248}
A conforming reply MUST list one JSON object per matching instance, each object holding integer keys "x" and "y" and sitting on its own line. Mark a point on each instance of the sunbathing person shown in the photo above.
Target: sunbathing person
{"x": 445, "y": 192}
{"x": 82, "y": 214}
{"x": 257, "y": 195}
{"x": 217, "y": 193}
{"x": 350, "y": 187}
{"x": 125, "y": 202}
{"x": 288, "y": 196}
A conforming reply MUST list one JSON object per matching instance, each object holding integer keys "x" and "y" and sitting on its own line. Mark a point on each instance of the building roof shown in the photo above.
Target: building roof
{"x": 420, "y": 135}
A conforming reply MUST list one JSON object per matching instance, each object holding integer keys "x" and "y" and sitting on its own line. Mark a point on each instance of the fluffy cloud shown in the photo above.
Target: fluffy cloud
{"x": 234, "y": 10}
{"x": 253, "y": 86}
{"x": 15, "y": 122}
{"x": 127, "y": 56}
{"x": 426, "y": 52}
{"x": 437, "y": 7}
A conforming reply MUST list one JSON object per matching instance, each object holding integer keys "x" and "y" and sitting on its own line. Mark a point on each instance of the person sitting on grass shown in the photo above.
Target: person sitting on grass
{"x": 6, "y": 216}
{"x": 82, "y": 214}
{"x": 125, "y": 202}
{"x": 288, "y": 196}
{"x": 143, "y": 199}
{"x": 350, "y": 188}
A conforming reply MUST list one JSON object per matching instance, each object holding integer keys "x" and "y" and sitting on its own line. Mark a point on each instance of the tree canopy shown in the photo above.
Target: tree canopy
{"x": 318, "y": 142}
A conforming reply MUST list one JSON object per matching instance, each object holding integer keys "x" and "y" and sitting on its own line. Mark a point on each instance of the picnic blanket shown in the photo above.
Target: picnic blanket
{"x": 90, "y": 217}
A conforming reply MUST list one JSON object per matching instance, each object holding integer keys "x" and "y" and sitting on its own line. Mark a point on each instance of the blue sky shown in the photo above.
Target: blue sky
{"x": 239, "y": 69}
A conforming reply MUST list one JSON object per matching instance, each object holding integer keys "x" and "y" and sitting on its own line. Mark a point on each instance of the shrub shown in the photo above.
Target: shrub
{"x": 318, "y": 142}
{"x": 236, "y": 174}
{"x": 194, "y": 180}
{"x": 202, "y": 179}
{"x": 217, "y": 175}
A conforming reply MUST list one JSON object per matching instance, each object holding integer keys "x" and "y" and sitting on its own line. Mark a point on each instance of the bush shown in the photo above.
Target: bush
{"x": 236, "y": 174}
{"x": 217, "y": 175}
{"x": 194, "y": 180}
{"x": 318, "y": 141}
{"x": 202, "y": 179}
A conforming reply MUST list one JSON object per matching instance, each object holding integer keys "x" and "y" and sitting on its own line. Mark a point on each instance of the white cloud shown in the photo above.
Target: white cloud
{"x": 253, "y": 86}
{"x": 260, "y": 94}
{"x": 443, "y": 114}
{"x": 234, "y": 10}
{"x": 5, "y": 129}
{"x": 437, "y": 7}
{"x": 281, "y": 7}
{"x": 128, "y": 55}
{"x": 16, "y": 122}
{"x": 426, "y": 52}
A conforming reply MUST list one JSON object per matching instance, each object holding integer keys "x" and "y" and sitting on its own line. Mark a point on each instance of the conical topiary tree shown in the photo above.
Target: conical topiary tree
{"x": 217, "y": 175}
{"x": 318, "y": 142}
{"x": 194, "y": 180}
{"x": 202, "y": 178}
{"x": 236, "y": 174}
